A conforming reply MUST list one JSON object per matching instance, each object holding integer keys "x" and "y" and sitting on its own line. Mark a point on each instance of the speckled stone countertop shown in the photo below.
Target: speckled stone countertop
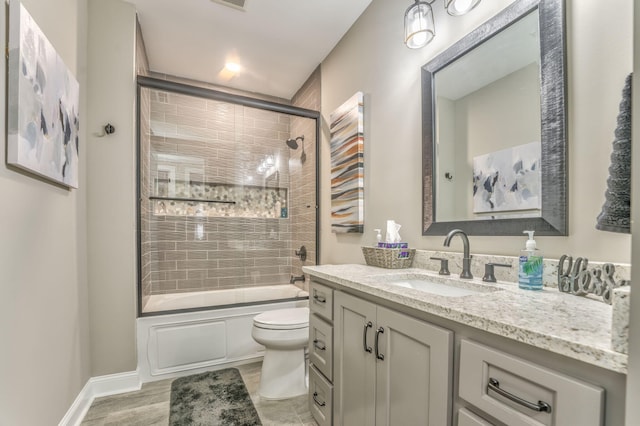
{"x": 577, "y": 327}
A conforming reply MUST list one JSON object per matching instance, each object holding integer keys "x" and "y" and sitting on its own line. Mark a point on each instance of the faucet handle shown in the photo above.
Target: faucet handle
{"x": 488, "y": 271}
{"x": 444, "y": 265}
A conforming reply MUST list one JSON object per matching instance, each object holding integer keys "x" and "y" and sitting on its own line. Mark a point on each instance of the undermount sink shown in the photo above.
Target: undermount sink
{"x": 449, "y": 289}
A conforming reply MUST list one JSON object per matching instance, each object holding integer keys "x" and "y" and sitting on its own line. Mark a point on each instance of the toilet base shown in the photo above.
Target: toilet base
{"x": 283, "y": 374}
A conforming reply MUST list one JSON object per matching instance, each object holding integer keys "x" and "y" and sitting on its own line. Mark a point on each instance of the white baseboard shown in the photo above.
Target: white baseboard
{"x": 99, "y": 386}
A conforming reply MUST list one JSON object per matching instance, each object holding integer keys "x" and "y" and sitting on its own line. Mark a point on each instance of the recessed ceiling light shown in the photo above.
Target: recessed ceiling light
{"x": 232, "y": 66}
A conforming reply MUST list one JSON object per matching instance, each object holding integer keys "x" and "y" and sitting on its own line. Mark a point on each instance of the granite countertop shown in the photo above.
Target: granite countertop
{"x": 577, "y": 327}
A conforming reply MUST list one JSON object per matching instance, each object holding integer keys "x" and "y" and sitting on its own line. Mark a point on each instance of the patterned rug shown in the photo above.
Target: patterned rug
{"x": 212, "y": 398}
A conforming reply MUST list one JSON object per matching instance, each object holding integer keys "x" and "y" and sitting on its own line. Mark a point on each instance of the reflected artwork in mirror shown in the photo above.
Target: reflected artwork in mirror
{"x": 494, "y": 127}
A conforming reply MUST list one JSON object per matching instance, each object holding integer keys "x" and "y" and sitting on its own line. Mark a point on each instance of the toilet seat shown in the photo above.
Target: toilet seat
{"x": 283, "y": 319}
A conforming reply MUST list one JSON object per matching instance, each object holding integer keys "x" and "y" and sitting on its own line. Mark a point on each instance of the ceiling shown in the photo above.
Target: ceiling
{"x": 278, "y": 43}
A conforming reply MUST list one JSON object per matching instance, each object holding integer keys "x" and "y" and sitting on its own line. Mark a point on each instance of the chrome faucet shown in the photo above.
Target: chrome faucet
{"x": 294, "y": 279}
{"x": 466, "y": 259}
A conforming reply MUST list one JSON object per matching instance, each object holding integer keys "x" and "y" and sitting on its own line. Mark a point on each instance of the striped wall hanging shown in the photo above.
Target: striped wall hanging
{"x": 347, "y": 166}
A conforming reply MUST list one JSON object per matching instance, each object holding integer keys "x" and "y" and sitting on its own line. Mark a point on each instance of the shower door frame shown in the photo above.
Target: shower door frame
{"x": 216, "y": 95}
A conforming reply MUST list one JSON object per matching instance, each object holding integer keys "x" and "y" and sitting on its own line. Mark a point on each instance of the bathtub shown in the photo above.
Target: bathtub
{"x": 233, "y": 296}
{"x": 190, "y": 342}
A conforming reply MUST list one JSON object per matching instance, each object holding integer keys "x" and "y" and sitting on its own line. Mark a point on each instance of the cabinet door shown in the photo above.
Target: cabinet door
{"x": 414, "y": 376}
{"x": 354, "y": 366}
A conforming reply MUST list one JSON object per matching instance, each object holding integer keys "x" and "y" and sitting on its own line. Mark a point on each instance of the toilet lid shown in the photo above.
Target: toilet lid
{"x": 283, "y": 319}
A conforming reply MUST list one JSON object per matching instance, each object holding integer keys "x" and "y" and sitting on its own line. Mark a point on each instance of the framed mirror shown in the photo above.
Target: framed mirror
{"x": 494, "y": 127}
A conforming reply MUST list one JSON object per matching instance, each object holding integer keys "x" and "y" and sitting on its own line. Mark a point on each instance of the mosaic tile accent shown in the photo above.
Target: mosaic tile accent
{"x": 234, "y": 201}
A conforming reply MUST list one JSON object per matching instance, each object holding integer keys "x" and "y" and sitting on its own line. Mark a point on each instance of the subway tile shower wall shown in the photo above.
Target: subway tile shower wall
{"x": 186, "y": 139}
{"x": 303, "y": 177}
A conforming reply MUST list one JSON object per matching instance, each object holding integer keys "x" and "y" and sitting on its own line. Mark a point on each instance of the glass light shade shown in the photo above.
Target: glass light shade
{"x": 460, "y": 7}
{"x": 419, "y": 29}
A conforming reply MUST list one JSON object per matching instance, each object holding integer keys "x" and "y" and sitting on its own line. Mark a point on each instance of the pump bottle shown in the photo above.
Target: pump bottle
{"x": 531, "y": 265}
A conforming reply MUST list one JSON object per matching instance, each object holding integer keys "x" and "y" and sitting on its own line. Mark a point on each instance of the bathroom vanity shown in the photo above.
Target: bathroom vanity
{"x": 411, "y": 347}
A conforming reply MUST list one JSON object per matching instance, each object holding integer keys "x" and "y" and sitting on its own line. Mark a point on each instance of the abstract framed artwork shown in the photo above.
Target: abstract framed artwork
{"x": 508, "y": 180}
{"x": 347, "y": 166}
{"x": 43, "y": 99}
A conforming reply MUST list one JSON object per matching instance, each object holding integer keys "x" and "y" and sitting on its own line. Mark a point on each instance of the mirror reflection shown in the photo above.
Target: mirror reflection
{"x": 487, "y": 119}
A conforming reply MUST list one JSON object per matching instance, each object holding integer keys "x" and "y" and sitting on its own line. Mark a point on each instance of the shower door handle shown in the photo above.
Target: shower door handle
{"x": 367, "y": 326}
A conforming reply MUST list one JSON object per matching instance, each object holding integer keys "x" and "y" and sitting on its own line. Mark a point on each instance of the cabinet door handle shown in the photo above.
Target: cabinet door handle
{"x": 315, "y": 399}
{"x": 364, "y": 337}
{"x": 379, "y": 331}
{"x": 319, "y": 299}
{"x": 317, "y": 346}
{"x": 541, "y": 406}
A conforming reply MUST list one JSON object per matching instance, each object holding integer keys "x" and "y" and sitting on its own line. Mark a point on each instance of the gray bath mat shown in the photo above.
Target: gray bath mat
{"x": 212, "y": 398}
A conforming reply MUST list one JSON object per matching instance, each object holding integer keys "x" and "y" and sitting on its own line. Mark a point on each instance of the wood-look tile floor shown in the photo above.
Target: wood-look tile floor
{"x": 150, "y": 405}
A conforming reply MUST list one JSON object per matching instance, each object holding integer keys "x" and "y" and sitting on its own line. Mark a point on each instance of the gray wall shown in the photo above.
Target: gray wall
{"x": 111, "y": 180}
{"x": 633, "y": 377}
{"x": 44, "y": 321}
{"x": 389, "y": 76}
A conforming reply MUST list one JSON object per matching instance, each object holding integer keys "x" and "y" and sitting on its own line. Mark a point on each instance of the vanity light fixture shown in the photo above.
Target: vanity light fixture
{"x": 460, "y": 7}
{"x": 419, "y": 28}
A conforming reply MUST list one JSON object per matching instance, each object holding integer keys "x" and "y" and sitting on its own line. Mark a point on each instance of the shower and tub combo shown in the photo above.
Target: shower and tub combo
{"x": 226, "y": 208}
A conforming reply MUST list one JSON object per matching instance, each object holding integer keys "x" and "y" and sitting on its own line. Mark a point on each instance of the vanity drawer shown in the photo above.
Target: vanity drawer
{"x": 320, "y": 398}
{"x": 467, "y": 418}
{"x": 321, "y": 345}
{"x": 321, "y": 300}
{"x": 493, "y": 381}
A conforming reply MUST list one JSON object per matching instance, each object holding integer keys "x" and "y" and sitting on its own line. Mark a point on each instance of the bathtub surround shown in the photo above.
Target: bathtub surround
{"x": 215, "y": 397}
{"x": 196, "y": 146}
{"x": 218, "y": 145}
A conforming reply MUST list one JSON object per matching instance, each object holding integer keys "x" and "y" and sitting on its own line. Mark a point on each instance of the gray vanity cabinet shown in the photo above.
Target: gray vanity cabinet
{"x": 389, "y": 368}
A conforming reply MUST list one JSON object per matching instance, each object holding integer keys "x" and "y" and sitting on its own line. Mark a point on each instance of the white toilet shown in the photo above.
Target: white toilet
{"x": 284, "y": 333}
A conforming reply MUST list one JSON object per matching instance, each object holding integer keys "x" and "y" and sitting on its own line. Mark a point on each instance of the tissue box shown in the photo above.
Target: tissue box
{"x": 390, "y": 258}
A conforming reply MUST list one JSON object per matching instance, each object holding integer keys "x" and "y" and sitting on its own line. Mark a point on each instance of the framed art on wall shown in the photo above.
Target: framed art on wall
{"x": 42, "y": 114}
{"x": 347, "y": 166}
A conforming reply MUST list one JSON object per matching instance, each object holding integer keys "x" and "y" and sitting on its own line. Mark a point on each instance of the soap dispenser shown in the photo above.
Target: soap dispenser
{"x": 531, "y": 265}
{"x": 378, "y": 237}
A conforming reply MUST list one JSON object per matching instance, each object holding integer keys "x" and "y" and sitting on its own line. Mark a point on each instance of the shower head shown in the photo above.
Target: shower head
{"x": 293, "y": 143}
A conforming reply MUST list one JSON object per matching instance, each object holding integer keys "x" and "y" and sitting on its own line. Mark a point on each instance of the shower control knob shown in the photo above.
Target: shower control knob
{"x": 302, "y": 253}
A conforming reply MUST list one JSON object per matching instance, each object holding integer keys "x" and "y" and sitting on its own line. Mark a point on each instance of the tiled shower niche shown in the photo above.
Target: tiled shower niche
{"x": 194, "y": 198}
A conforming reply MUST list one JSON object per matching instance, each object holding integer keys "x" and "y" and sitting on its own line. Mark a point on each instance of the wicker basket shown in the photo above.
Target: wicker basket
{"x": 388, "y": 258}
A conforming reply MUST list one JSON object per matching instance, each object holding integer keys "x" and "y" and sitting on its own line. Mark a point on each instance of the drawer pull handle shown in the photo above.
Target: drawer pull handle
{"x": 315, "y": 399}
{"x": 379, "y": 331}
{"x": 319, "y": 299}
{"x": 317, "y": 346}
{"x": 364, "y": 337}
{"x": 541, "y": 406}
